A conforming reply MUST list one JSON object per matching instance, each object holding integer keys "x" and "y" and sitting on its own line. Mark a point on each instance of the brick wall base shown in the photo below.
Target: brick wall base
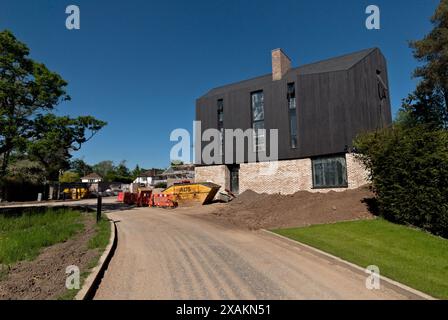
{"x": 219, "y": 175}
{"x": 284, "y": 177}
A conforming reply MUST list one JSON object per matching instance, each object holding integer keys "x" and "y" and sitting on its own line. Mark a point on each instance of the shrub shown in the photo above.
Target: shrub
{"x": 161, "y": 185}
{"x": 409, "y": 172}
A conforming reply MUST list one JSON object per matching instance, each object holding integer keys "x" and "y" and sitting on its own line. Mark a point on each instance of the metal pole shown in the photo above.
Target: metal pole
{"x": 98, "y": 208}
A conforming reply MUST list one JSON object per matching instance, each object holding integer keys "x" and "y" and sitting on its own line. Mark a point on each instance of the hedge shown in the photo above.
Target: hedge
{"x": 409, "y": 173}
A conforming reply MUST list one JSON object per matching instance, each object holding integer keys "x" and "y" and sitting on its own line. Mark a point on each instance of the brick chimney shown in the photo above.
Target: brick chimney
{"x": 280, "y": 64}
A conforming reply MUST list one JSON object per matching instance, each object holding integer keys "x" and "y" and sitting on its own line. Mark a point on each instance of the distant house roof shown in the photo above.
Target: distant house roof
{"x": 92, "y": 176}
{"x": 340, "y": 63}
{"x": 184, "y": 169}
{"x": 151, "y": 173}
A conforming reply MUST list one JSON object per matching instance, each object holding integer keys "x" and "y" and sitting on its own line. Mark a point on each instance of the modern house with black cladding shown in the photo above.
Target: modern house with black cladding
{"x": 318, "y": 110}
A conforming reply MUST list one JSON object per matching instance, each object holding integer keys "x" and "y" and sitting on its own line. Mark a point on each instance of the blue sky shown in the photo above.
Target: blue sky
{"x": 140, "y": 65}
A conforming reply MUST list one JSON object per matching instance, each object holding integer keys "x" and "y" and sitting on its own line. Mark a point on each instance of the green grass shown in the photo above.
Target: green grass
{"x": 100, "y": 242}
{"x": 407, "y": 255}
{"x": 23, "y": 237}
{"x": 101, "y": 239}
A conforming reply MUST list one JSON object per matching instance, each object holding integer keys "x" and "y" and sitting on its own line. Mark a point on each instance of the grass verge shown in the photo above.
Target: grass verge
{"x": 99, "y": 242}
{"x": 102, "y": 236}
{"x": 22, "y": 237}
{"x": 407, "y": 255}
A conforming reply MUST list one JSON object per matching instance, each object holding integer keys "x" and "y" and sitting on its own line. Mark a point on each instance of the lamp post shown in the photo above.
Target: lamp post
{"x": 98, "y": 208}
{"x": 59, "y": 184}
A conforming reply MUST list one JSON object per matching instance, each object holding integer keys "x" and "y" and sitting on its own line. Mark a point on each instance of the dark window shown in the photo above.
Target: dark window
{"x": 221, "y": 122}
{"x": 220, "y": 114}
{"x": 292, "y": 109}
{"x": 234, "y": 178}
{"x": 257, "y": 100}
{"x": 329, "y": 172}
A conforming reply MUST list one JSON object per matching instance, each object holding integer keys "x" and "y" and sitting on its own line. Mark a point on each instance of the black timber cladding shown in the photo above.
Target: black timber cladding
{"x": 336, "y": 100}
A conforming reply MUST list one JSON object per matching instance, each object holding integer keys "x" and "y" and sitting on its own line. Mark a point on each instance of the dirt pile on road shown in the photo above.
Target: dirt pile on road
{"x": 255, "y": 211}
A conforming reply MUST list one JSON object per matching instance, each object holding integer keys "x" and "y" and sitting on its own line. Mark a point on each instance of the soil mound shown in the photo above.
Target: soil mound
{"x": 255, "y": 211}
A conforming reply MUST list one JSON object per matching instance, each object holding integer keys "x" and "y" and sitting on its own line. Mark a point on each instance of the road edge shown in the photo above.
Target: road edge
{"x": 91, "y": 283}
{"x": 397, "y": 286}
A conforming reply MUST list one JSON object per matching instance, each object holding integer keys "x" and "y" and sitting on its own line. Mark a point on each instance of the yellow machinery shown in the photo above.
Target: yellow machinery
{"x": 76, "y": 193}
{"x": 202, "y": 193}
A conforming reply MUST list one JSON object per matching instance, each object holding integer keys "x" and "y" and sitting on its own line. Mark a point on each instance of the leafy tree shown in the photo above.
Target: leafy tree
{"x": 29, "y": 92}
{"x": 122, "y": 170}
{"x": 408, "y": 162}
{"x": 177, "y": 162}
{"x": 121, "y": 173}
{"x": 103, "y": 168}
{"x": 56, "y": 137}
{"x": 27, "y": 88}
{"x": 429, "y": 102}
{"x": 136, "y": 172}
{"x": 69, "y": 177}
{"x": 23, "y": 170}
{"x": 80, "y": 167}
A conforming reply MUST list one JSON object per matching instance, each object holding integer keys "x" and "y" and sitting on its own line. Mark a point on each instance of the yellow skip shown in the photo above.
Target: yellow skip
{"x": 202, "y": 193}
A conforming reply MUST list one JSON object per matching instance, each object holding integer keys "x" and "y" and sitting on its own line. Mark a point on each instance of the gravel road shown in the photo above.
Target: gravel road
{"x": 175, "y": 254}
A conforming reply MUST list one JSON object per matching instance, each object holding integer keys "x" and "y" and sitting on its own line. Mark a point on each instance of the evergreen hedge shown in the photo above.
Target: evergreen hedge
{"x": 409, "y": 172}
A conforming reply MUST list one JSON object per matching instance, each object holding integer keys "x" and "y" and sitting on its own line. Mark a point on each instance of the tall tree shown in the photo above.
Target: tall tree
{"x": 429, "y": 103}
{"x": 80, "y": 167}
{"x": 136, "y": 172}
{"x": 56, "y": 137}
{"x": 103, "y": 168}
{"x": 69, "y": 177}
{"x": 122, "y": 169}
{"x": 121, "y": 173}
{"x": 27, "y": 88}
{"x": 29, "y": 92}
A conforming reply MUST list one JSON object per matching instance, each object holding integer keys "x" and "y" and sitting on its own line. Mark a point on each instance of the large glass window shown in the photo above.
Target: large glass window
{"x": 329, "y": 172}
{"x": 220, "y": 114}
{"x": 292, "y": 109}
{"x": 221, "y": 123}
{"x": 257, "y": 99}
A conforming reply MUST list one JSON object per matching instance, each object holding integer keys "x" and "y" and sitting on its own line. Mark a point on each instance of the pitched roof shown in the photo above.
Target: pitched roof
{"x": 340, "y": 63}
{"x": 92, "y": 175}
{"x": 151, "y": 173}
{"x": 179, "y": 169}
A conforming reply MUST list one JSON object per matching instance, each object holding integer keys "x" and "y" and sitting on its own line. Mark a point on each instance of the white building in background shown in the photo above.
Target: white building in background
{"x": 150, "y": 178}
{"x": 92, "y": 178}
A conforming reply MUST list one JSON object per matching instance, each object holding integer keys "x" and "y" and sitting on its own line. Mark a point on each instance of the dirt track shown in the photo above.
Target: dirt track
{"x": 174, "y": 254}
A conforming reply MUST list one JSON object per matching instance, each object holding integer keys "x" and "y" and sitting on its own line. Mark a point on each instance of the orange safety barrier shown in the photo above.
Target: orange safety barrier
{"x": 163, "y": 200}
{"x": 144, "y": 198}
{"x": 130, "y": 198}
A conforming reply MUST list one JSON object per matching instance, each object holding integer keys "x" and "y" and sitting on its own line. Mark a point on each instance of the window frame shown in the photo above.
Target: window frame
{"x": 342, "y": 186}
{"x": 220, "y": 112}
{"x": 256, "y": 147}
{"x": 290, "y": 111}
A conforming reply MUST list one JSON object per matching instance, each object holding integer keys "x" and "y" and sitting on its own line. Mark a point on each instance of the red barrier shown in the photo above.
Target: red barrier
{"x": 163, "y": 200}
{"x": 144, "y": 198}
